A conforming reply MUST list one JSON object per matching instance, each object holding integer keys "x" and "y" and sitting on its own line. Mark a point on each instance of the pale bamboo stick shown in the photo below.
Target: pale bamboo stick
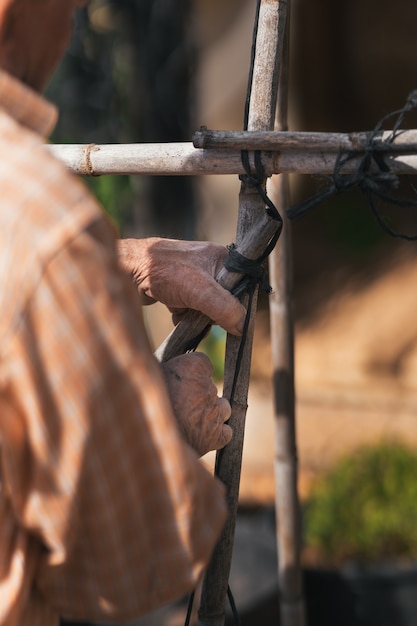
{"x": 286, "y": 470}
{"x": 173, "y": 159}
{"x": 291, "y": 604}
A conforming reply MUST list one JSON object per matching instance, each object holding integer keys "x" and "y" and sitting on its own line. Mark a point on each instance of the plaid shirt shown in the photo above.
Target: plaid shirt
{"x": 105, "y": 513}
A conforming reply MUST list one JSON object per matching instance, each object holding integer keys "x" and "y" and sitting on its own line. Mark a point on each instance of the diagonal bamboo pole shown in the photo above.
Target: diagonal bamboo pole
{"x": 261, "y": 114}
{"x": 282, "y": 341}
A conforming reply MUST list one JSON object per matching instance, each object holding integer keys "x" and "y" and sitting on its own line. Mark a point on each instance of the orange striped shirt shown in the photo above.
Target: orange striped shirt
{"x": 105, "y": 513}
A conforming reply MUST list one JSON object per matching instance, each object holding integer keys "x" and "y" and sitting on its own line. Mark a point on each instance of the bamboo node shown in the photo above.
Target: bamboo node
{"x": 87, "y": 168}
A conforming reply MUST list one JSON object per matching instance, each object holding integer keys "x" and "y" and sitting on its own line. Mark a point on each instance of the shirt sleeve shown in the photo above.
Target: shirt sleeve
{"x": 125, "y": 513}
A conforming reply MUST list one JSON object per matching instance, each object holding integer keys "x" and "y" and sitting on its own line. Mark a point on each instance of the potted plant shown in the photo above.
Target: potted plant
{"x": 360, "y": 540}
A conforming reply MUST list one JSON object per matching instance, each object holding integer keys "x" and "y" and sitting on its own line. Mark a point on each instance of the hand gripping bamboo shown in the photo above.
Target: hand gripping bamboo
{"x": 252, "y": 244}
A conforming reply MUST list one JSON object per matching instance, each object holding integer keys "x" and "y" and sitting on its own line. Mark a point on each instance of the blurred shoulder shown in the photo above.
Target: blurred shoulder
{"x": 43, "y": 208}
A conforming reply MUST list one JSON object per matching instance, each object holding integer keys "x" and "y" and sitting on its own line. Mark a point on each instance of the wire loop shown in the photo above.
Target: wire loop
{"x": 373, "y": 177}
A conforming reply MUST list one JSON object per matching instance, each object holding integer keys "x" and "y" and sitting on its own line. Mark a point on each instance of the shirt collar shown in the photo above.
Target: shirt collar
{"x": 26, "y": 106}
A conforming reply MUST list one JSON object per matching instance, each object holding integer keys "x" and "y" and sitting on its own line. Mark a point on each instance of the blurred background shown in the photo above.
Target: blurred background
{"x": 154, "y": 71}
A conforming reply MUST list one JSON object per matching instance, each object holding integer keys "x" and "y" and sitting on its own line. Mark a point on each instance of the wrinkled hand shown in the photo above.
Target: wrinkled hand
{"x": 180, "y": 274}
{"x": 200, "y": 412}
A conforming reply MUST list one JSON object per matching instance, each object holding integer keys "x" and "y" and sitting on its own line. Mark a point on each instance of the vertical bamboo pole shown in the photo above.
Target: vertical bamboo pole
{"x": 262, "y": 106}
{"x": 282, "y": 339}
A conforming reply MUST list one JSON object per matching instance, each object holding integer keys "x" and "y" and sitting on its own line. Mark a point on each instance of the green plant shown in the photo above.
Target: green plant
{"x": 114, "y": 194}
{"x": 365, "y": 508}
{"x": 214, "y": 345}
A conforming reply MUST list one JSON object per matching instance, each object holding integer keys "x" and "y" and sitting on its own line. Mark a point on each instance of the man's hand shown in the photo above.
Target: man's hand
{"x": 181, "y": 275}
{"x": 200, "y": 412}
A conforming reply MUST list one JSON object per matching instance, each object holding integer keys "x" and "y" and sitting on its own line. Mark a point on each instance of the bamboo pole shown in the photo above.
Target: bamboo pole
{"x": 172, "y": 159}
{"x": 308, "y": 141}
{"x": 261, "y": 114}
{"x": 282, "y": 342}
{"x": 286, "y": 462}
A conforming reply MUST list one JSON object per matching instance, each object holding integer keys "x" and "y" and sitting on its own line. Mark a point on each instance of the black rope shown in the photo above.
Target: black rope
{"x": 189, "y": 609}
{"x": 257, "y": 181}
{"x": 232, "y": 603}
{"x": 374, "y": 177}
{"x": 254, "y": 271}
{"x": 193, "y": 343}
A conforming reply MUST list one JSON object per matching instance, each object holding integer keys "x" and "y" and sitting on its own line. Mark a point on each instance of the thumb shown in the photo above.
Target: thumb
{"x": 219, "y": 305}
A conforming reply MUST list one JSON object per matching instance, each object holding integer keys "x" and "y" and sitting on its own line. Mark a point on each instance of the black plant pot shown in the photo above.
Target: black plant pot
{"x": 361, "y": 596}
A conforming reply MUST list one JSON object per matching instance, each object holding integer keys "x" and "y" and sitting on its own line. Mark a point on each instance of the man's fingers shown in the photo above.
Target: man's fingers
{"x": 200, "y": 364}
{"x": 181, "y": 275}
{"x": 225, "y": 410}
{"x": 225, "y": 433}
{"x": 226, "y": 436}
{"x": 219, "y": 305}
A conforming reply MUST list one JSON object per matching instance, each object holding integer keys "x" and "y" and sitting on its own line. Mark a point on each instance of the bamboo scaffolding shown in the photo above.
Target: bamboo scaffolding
{"x": 282, "y": 152}
{"x": 302, "y": 154}
{"x": 291, "y": 606}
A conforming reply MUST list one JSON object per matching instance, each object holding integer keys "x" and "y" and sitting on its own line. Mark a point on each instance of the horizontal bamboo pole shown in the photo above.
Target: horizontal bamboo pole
{"x": 405, "y": 141}
{"x": 174, "y": 159}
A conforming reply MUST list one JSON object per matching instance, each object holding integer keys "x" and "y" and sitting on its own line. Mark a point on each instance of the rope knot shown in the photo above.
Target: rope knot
{"x": 374, "y": 176}
{"x": 379, "y": 182}
{"x": 412, "y": 100}
{"x": 250, "y": 178}
{"x": 254, "y": 271}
